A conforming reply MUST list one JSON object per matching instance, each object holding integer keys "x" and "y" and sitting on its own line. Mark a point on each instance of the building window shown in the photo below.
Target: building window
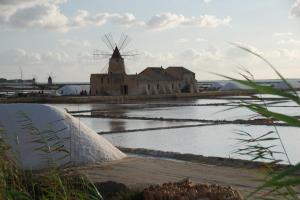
{"x": 107, "y": 80}
{"x": 172, "y": 85}
{"x": 149, "y": 87}
{"x": 101, "y": 80}
{"x": 157, "y": 86}
{"x": 179, "y": 85}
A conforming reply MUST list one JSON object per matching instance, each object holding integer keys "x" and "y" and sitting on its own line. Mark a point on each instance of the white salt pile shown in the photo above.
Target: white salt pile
{"x": 42, "y": 135}
{"x": 73, "y": 90}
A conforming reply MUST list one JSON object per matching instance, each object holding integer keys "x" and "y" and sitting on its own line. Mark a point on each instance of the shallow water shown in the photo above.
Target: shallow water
{"x": 103, "y": 125}
{"x": 216, "y": 140}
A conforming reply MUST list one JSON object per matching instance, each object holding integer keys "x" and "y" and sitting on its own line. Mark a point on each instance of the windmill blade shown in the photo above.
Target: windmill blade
{"x": 124, "y": 43}
{"x": 121, "y": 40}
{"x": 130, "y": 55}
{"x": 128, "y": 40}
{"x": 102, "y": 57}
{"x": 51, "y": 74}
{"x": 134, "y": 57}
{"x": 100, "y": 52}
{"x": 112, "y": 41}
{"x": 107, "y": 42}
{"x": 133, "y": 52}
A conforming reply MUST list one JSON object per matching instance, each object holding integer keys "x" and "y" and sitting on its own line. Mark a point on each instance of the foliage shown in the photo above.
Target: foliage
{"x": 278, "y": 184}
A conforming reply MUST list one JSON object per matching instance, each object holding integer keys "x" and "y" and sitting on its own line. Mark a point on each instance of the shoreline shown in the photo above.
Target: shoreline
{"x": 193, "y": 158}
{"x": 120, "y": 99}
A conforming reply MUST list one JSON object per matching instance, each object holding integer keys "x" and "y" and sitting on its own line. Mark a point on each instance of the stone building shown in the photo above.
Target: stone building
{"x": 151, "y": 81}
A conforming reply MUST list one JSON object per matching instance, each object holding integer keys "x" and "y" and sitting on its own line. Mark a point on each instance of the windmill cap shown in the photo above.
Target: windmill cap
{"x": 116, "y": 53}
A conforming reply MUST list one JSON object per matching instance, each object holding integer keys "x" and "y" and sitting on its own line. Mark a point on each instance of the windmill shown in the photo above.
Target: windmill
{"x": 34, "y": 80}
{"x": 116, "y": 52}
{"x": 51, "y": 77}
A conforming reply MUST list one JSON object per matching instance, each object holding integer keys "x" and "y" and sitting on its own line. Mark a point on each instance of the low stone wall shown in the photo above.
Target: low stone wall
{"x": 120, "y": 99}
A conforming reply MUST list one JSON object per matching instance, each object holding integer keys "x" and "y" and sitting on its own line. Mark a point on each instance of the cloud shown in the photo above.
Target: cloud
{"x": 47, "y": 14}
{"x": 74, "y": 42}
{"x": 15, "y": 57}
{"x": 165, "y": 21}
{"x": 292, "y": 54}
{"x": 182, "y": 40}
{"x": 186, "y": 57}
{"x": 235, "y": 51}
{"x": 290, "y": 41}
{"x": 200, "y": 40}
{"x": 295, "y": 10}
{"x": 33, "y": 14}
{"x": 43, "y": 16}
{"x": 208, "y": 21}
{"x": 198, "y": 60}
{"x": 40, "y": 64}
{"x": 19, "y": 57}
{"x": 211, "y": 53}
{"x": 84, "y": 18}
{"x": 282, "y": 34}
{"x": 170, "y": 20}
{"x": 22, "y": 57}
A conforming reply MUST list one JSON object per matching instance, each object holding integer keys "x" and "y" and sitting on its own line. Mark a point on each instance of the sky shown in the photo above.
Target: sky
{"x": 58, "y": 37}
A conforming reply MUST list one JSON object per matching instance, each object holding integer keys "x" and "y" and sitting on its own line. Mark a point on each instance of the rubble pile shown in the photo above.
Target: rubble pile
{"x": 187, "y": 190}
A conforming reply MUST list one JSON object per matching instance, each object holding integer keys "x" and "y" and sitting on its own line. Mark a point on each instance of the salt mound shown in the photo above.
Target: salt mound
{"x": 34, "y": 130}
{"x": 73, "y": 90}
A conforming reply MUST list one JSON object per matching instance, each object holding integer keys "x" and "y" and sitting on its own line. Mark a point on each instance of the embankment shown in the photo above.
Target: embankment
{"x": 210, "y": 160}
{"x": 120, "y": 99}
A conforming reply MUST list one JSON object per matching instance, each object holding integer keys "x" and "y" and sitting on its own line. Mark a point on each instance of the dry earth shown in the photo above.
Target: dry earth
{"x": 137, "y": 172}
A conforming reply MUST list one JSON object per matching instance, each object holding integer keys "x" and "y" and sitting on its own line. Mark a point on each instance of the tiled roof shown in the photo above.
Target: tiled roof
{"x": 178, "y": 69}
{"x": 155, "y": 74}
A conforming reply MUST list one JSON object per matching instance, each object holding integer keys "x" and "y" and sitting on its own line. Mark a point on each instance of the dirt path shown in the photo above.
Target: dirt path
{"x": 140, "y": 172}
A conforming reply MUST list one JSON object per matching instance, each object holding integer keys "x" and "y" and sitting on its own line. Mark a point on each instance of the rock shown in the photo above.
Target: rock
{"x": 109, "y": 189}
{"x": 187, "y": 190}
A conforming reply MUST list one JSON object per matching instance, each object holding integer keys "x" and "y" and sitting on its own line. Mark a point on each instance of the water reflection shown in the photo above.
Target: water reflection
{"x": 117, "y": 125}
{"x": 111, "y": 109}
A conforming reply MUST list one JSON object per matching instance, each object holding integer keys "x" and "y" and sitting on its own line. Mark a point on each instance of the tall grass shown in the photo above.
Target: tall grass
{"x": 278, "y": 184}
{"x": 52, "y": 183}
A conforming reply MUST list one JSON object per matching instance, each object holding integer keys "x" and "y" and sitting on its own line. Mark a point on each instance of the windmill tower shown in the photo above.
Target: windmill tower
{"x": 49, "y": 80}
{"x": 116, "y": 63}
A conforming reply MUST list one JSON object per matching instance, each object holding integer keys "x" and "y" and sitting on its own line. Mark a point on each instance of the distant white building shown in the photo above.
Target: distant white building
{"x": 283, "y": 86}
{"x": 227, "y": 85}
{"x": 216, "y": 86}
{"x": 209, "y": 85}
{"x": 234, "y": 86}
